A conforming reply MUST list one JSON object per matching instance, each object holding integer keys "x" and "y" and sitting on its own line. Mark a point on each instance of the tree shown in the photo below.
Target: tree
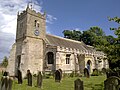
{"x": 4, "y": 62}
{"x": 88, "y": 37}
{"x": 114, "y": 50}
{"x": 94, "y": 37}
{"x": 72, "y": 34}
{"x": 116, "y": 30}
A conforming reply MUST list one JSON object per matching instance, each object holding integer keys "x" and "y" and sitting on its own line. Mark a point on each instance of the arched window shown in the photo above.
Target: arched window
{"x": 50, "y": 57}
{"x": 19, "y": 60}
{"x": 35, "y": 23}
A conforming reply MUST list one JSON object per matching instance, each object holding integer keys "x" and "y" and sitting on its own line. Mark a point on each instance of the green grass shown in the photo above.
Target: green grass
{"x": 92, "y": 83}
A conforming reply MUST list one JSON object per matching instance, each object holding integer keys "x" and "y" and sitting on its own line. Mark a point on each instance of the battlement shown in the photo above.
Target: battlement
{"x": 32, "y": 12}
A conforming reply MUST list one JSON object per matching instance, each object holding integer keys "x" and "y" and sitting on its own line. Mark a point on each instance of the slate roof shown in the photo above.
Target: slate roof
{"x": 63, "y": 42}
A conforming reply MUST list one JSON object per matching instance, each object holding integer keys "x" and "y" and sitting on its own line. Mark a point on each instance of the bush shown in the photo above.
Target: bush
{"x": 48, "y": 75}
{"x": 72, "y": 74}
{"x": 95, "y": 72}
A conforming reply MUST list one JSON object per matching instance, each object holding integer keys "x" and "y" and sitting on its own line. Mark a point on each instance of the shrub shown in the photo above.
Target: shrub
{"x": 72, "y": 74}
{"x": 95, "y": 72}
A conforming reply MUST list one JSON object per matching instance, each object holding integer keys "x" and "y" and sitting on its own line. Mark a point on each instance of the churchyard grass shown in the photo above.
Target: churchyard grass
{"x": 92, "y": 83}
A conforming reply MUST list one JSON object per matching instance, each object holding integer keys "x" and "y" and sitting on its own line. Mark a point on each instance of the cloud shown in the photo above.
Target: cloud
{"x": 50, "y": 19}
{"x": 6, "y": 40}
{"x": 8, "y": 12}
{"x": 8, "y": 21}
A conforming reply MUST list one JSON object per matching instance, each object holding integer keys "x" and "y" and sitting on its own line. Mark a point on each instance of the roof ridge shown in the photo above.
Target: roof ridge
{"x": 64, "y": 38}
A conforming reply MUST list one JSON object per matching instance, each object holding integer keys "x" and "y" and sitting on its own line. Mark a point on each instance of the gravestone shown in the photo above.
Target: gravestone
{"x": 112, "y": 83}
{"x": 57, "y": 76}
{"x": 110, "y": 73}
{"x": 86, "y": 73}
{"x": 6, "y": 83}
{"x": 29, "y": 78}
{"x": 39, "y": 80}
{"x": 19, "y": 77}
{"x": 78, "y": 85}
{"x": 60, "y": 73}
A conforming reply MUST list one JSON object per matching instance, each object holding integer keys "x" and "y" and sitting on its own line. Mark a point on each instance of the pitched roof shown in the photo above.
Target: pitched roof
{"x": 63, "y": 42}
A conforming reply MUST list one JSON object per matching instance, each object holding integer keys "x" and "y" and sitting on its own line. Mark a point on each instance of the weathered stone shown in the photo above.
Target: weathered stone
{"x": 31, "y": 48}
{"x": 6, "y": 83}
{"x": 39, "y": 80}
{"x": 57, "y": 76}
{"x": 29, "y": 77}
{"x": 112, "y": 83}
{"x": 60, "y": 73}
{"x": 78, "y": 85}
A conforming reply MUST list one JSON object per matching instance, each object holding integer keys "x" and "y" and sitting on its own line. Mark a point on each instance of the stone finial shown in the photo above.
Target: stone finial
{"x": 18, "y": 13}
{"x": 28, "y": 5}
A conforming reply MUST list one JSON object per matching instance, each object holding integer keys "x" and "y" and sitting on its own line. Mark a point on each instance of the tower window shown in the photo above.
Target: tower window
{"x": 19, "y": 60}
{"x": 68, "y": 59}
{"x": 35, "y": 23}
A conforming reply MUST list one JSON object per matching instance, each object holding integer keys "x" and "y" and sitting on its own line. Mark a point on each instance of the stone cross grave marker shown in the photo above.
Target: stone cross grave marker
{"x": 29, "y": 78}
{"x": 112, "y": 83}
{"x": 78, "y": 85}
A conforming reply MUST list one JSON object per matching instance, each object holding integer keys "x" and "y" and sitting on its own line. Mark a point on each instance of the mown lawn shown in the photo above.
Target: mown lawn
{"x": 92, "y": 83}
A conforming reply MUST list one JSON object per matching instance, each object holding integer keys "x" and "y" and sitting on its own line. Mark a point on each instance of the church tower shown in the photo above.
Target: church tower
{"x": 30, "y": 37}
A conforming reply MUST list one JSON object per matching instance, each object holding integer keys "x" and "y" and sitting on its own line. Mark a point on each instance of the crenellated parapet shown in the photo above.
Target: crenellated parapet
{"x": 31, "y": 12}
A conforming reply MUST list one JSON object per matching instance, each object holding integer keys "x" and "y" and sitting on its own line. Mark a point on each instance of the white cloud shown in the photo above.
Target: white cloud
{"x": 8, "y": 21}
{"x": 8, "y": 12}
{"x": 50, "y": 18}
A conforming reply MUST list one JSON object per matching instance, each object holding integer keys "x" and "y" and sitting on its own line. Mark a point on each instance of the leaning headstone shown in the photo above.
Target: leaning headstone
{"x": 112, "y": 83}
{"x": 86, "y": 73}
{"x": 57, "y": 76}
{"x": 6, "y": 83}
{"x": 78, "y": 85}
{"x": 39, "y": 80}
{"x": 29, "y": 78}
{"x": 19, "y": 77}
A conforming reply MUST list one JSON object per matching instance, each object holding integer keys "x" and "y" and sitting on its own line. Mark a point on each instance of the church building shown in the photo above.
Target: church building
{"x": 35, "y": 50}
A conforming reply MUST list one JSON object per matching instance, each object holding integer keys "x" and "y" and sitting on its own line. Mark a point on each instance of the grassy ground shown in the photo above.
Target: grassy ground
{"x": 92, "y": 83}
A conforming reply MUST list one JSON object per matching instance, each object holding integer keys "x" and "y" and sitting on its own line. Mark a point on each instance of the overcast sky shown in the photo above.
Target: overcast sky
{"x": 61, "y": 15}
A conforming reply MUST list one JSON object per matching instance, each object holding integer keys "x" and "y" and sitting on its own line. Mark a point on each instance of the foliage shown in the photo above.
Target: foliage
{"x": 114, "y": 49}
{"x": 96, "y": 37}
{"x": 95, "y": 72}
{"x": 4, "y": 62}
{"x": 72, "y": 34}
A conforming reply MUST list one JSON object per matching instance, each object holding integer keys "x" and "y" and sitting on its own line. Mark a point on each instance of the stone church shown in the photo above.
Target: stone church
{"x": 35, "y": 50}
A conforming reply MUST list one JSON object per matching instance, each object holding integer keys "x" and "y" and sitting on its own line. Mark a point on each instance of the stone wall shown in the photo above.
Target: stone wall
{"x": 11, "y": 61}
